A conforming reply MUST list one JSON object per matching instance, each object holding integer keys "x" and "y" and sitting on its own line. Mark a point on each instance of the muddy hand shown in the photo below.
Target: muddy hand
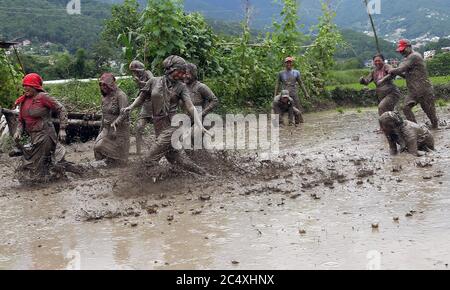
{"x": 114, "y": 126}
{"x": 62, "y": 136}
{"x": 125, "y": 110}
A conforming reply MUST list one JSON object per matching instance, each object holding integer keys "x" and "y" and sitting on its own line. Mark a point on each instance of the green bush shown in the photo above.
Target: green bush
{"x": 439, "y": 65}
{"x": 86, "y": 97}
{"x": 10, "y": 82}
{"x": 345, "y": 77}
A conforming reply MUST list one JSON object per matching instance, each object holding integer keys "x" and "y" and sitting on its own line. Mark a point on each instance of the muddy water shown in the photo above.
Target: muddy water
{"x": 317, "y": 207}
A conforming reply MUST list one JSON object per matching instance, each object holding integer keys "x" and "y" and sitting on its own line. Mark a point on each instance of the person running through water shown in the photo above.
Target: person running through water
{"x": 166, "y": 93}
{"x": 388, "y": 93}
{"x": 421, "y": 91}
{"x": 290, "y": 79}
{"x": 35, "y": 118}
{"x": 141, "y": 77}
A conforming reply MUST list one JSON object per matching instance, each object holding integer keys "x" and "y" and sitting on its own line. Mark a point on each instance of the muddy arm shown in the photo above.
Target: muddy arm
{"x": 411, "y": 142}
{"x": 124, "y": 116}
{"x": 208, "y": 95}
{"x": 302, "y": 85}
{"x": 393, "y": 147}
{"x": 190, "y": 108}
{"x": 277, "y": 85}
{"x": 403, "y": 67}
{"x": 366, "y": 80}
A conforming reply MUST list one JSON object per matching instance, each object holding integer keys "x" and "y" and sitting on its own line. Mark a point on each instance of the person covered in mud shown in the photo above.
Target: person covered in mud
{"x": 283, "y": 104}
{"x": 141, "y": 77}
{"x": 165, "y": 94}
{"x": 421, "y": 91}
{"x": 405, "y": 134}
{"x": 290, "y": 80}
{"x": 35, "y": 119}
{"x": 113, "y": 143}
{"x": 388, "y": 93}
{"x": 201, "y": 95}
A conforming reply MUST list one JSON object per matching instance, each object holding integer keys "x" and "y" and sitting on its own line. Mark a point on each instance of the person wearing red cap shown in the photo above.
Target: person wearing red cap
{"x": 35, "y": 118}
{"x": 290, "y": 80}
{"x": 421, "y": 91}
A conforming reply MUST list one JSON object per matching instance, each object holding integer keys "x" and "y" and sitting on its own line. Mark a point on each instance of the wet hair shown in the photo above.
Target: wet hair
{"x": 380, "y": 56}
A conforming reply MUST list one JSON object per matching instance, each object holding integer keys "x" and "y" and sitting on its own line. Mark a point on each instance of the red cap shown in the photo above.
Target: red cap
{"x": 403, "y": 44}
{"x": 33, "y": 80}
{"x": 289, "y": 59}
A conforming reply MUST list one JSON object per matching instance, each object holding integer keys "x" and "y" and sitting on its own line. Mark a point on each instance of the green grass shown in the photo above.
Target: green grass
{"x": 441, "y": 103}
{"x": 86, "y": 97}
{"x": 400, "y": 83}
{"x": 345, "y": 77}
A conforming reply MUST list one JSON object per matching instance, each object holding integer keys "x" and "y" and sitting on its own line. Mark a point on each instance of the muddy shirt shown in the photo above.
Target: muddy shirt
{"x": 289, "y": 81}
{"x": 111, "y": 106}
{"x": 414, "y": 70}
{"x": 202, "y": 96}
{"x": 110, "y": 143}
{"x": 165, "y": 95}
{"x": 35, "y": 116}
{"x": 387, "y": 87}
{"x": 146, "y": 111}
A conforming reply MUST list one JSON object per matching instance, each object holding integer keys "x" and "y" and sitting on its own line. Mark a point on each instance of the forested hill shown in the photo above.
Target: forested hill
{"x": 47, "y": 21}
{"x": 399, "y": 18}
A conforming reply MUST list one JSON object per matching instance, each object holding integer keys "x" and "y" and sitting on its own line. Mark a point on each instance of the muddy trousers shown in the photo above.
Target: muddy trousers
{"x": 163, "y": 148}
{"x": 140, "y": 130}
{"x": 428, "y": 106}
{"x": 298, "y": 117}
{"x": 388, "y": 104}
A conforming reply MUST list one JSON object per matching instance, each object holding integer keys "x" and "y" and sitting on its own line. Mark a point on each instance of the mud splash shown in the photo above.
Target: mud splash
{"x": 334, "y": 199}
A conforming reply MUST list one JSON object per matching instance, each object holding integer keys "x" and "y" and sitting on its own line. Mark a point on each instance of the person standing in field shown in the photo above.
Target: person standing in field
{"x": 290, "y": 80}
{"x": 141, "y": 77}
{"x": 421, "y": 91}
{"x": 388, "y": 93}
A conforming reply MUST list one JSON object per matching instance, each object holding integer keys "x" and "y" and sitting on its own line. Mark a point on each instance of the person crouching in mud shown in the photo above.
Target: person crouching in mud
{"x": 35, "y": 118}
{"x": 283, "y": 104}
{"x": 141, "y": 77}
{"x": 113, "y": 143}
{"x": 406, "y": 134}
{"x": 388, "y": 93}
{"x": 166, "y": 93}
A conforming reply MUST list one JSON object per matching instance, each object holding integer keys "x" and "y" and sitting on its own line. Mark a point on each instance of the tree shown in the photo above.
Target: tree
{"x": 79, "y": 64}
{"x": 319, "y": 58}
{"x": 10, "y": 87}
{"x": 287, "y": 34}
{"x": 161, "y": 31}
{"x": 439, "y": 65}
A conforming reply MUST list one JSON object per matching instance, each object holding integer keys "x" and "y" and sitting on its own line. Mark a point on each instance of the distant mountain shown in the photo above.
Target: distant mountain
{"x": 47, "y": 21}
{"x": 418, "y": 19}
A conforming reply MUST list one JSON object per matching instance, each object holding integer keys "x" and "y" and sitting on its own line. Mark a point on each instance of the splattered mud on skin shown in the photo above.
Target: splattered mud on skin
{"x": 333, "y": 195}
